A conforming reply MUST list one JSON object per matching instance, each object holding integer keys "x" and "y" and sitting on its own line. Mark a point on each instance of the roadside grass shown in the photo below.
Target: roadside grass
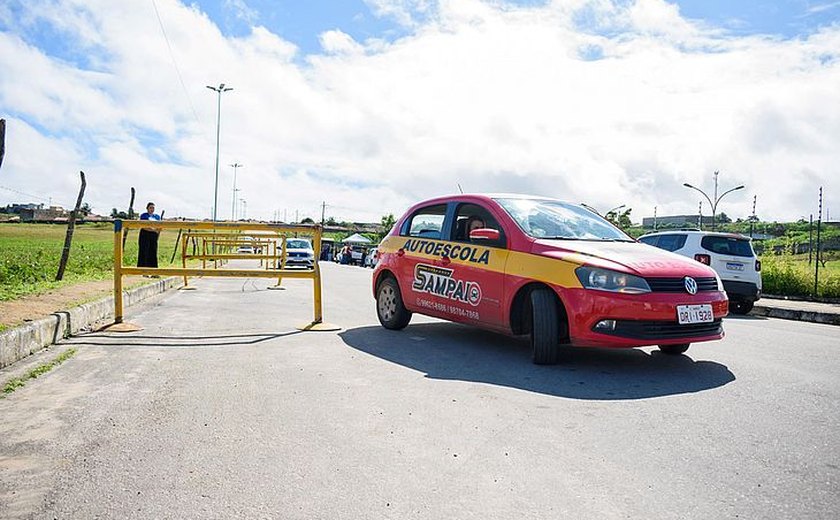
{"x": 30, "y": 253}
{"x": 43, "y": 368}
{"x": 790, "y": 275}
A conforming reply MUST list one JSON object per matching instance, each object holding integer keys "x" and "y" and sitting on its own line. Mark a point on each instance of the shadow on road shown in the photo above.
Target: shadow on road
{"x": 139, "y": 340}
{"x": 455, "y": 352}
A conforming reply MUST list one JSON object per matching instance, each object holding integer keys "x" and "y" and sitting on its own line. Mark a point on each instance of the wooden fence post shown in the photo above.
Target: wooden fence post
{"x": 2, "y": 140}
{"x": 130, "y": 216}
{"x": 71, "y": 225}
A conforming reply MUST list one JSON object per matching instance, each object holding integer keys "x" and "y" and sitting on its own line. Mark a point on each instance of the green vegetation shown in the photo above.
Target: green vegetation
{"x": 791, "y": 275}
{"x": 40, "y": 370}
{"x": 29, "y": 255}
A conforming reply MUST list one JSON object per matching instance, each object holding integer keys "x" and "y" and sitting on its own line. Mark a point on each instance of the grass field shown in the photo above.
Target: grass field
{"x": 29, "y": 255}
{"x": 790, "y": 275}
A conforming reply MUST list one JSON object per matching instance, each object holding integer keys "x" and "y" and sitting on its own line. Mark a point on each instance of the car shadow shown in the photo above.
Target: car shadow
{"x": 450, "y": 351}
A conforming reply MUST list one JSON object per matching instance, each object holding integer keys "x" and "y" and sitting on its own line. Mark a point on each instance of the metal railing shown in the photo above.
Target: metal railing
{"x": 220, "y": 241}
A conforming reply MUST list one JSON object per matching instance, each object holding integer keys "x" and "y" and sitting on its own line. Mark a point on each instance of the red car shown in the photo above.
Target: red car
{"x": 557, "y": 272}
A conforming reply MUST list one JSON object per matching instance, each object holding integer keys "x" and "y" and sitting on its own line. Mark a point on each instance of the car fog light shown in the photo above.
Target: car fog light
{"x": 605, "y": 325}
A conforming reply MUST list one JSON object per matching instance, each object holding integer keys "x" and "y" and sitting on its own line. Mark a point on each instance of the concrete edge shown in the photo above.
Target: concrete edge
{"x": 20, "y": 342}
{"x": 797, "y": 315}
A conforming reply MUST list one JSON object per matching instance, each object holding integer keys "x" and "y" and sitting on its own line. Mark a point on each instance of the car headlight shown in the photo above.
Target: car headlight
{"x": 612, "y": 281}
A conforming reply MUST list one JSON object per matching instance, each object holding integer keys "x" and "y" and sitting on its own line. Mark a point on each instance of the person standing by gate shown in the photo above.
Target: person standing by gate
{"x": 148, "y": 241}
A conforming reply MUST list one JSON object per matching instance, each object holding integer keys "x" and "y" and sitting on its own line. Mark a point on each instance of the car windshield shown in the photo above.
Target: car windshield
{"x": 546, "y": 218}
{"x": 298, "y": 244}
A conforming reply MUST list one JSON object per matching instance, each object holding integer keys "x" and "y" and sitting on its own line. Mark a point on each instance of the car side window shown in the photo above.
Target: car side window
{"x": 469, "y": 215}
{"x": 671, "y": 242}
{"x": 651, "y": 241}
{"x": 425, "y": 222}
{"x": 727, "y": 246}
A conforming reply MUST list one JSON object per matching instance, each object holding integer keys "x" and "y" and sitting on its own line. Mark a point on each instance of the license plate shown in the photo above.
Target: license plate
{"x": 734, "y": 266}
{"x": 687, "y": 314}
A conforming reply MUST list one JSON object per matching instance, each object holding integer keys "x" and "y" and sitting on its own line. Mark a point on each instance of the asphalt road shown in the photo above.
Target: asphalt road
{"x": 219, "y": 408}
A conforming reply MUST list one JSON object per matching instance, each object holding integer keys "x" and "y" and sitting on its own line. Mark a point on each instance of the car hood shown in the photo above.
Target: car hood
{"x": 631, "y": 257}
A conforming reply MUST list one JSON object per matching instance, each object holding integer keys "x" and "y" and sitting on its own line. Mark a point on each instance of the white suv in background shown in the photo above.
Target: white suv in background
{"x": 729, "y": 254}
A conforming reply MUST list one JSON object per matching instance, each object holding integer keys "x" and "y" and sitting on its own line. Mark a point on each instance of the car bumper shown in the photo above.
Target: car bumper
{"x": 297, "y": 262}
{"x": 640, "y": 320}
{"x": 742, "y": 290}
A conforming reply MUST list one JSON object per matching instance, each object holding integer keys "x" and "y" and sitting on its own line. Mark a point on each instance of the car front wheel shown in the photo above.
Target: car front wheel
{"x": 674, "y": 349}
{"x": 545, "y": 327}
{"x": 390, "y": 310}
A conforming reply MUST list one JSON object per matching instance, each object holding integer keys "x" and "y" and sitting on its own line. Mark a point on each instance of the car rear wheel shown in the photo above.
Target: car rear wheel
{"x": 674, "y": 349}
{"x": 545, "y": 327}
{"x": 390, "y": 310}
{"x": 740, "y": 306}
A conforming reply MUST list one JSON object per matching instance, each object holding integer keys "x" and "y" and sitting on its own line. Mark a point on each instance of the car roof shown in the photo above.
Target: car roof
{"x": 697, "y": 232}
{"x": 486, "y": 197}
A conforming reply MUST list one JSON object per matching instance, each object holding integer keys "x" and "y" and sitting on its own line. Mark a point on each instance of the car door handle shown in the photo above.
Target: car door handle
{"x": 444, "y": 261}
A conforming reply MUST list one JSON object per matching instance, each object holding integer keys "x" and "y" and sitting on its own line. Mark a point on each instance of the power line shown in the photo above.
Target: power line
{"x": 49, "y": 200}
{"x": 175, "y": 62}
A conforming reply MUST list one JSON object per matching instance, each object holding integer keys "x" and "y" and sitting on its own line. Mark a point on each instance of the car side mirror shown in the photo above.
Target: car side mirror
{"x": 485, "y": 234}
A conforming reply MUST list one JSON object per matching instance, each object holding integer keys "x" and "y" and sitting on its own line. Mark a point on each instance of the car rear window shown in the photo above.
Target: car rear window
{"x": 727, "y": 246}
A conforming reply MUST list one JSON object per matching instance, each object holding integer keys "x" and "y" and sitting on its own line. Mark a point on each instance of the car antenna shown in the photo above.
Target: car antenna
{"x": 590, "y": 208}
{"x": 459, "y": 187}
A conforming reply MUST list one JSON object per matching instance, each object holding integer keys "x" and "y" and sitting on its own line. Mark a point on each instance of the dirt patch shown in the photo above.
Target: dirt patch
{"x": 33, "y": 307}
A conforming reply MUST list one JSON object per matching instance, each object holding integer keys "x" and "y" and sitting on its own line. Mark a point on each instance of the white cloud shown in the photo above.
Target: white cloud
{"x": 587, "y": 101}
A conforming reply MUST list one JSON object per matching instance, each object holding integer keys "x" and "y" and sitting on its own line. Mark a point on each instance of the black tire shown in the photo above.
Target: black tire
{"x": 545, "y": 327}
{"x": 674, "y": 350}
{"x": 740, "y": 307}
{"x": 390, "y": 310}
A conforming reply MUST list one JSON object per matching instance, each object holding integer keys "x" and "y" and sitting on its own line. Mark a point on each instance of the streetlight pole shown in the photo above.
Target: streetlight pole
{"x": 714, "y": 203}
{"x": 219, "y": 90}
{"x": 233, "y": 202}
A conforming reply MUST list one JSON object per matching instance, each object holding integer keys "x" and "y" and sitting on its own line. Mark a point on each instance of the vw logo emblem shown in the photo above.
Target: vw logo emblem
{"x": 690, "y": 285}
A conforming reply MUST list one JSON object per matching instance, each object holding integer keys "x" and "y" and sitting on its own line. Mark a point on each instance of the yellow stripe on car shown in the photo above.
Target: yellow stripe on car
{"x": 557, "y": 271}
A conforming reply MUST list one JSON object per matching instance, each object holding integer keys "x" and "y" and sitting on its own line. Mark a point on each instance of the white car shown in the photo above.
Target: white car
{"x": 730, "y": 255}
{"x": 299, "y": 253}
{"x": 372, "y": 257}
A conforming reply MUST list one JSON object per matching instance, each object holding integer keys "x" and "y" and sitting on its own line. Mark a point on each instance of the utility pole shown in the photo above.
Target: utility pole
{"x": 654, "y": 218}
{"x": 221, "y": 88}
{"x": 700, "y": 216}
{"x": 810, "y": 238}
{"x": 752, "y": 217}
{"x": 233, "y": 202}
{"x": 323, "y": 210}
{"x": 714, "y": 202}
{"x": 296, "y": 216}
{"x": 817, "y": 253}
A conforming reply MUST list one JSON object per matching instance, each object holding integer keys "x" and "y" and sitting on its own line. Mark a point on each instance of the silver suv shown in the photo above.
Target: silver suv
{"x": 730, "y": 255}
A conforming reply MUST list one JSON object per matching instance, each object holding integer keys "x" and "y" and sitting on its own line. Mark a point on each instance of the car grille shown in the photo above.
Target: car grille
{"x": 663, "y": 329}
{"x": 678, "y": 284}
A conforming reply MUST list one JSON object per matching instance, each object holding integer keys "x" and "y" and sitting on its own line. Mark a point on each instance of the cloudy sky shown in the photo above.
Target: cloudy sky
{"x": 372, "y": 105}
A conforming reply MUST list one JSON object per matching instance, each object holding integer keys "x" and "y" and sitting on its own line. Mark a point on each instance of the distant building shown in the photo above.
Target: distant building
{"x": 42, "y": 214}
{"x": 675, "y": 221}
{"x": 17, "y": 208}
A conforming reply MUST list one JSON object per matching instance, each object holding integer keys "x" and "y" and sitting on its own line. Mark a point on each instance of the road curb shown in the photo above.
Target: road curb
{"x": 797, "y": 315}
{"x": 20, "y": 342}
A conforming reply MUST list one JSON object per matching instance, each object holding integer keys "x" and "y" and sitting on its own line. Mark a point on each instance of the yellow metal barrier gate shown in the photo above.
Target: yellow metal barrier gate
{"x": 228, "y": 230}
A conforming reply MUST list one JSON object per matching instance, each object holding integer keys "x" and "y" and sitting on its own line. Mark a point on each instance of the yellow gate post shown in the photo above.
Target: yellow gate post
{"x": 119, "y": 325}
{"x": 118, "y": 260}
